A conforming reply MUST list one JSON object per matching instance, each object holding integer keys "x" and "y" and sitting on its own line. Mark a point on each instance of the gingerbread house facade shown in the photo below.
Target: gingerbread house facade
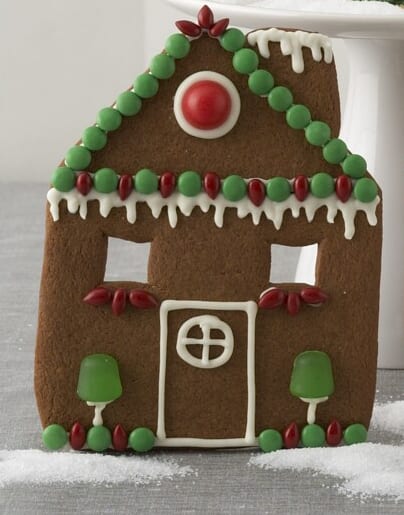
{"x": 226, "y": 146}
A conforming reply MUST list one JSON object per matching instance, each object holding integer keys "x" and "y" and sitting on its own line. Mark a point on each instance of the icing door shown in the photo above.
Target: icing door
{"x": 206, "y": 383}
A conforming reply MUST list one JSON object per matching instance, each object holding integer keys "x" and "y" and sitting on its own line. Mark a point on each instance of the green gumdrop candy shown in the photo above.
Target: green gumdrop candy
{"x": 313, "y": 436}
{"x": 355, "y": 433}
{"x": 99, "y": 379}
{"x": 99, "y": 438}
{"x": 312, "y": 375}
{"x": 270, "y": 440}
{"x": 141, "y": 439}
{"x": 54, "y": 437}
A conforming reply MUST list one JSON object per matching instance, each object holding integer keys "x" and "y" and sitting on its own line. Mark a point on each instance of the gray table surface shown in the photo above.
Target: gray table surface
{"x": 224, "y": 482}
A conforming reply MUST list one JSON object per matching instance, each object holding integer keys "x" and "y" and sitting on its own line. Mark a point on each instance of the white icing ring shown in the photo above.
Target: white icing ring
{"x": 234, "y": 111}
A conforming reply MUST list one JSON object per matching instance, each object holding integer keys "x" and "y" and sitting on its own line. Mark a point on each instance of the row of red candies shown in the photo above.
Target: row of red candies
{"x": 118, "y": 298}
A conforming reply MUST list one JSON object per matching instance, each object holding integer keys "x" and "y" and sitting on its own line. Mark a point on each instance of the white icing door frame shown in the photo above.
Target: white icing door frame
{"x": 249, "y": 439}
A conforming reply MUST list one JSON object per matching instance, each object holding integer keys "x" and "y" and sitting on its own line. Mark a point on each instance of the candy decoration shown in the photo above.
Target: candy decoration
{"x": 365, "y": 190}
{"x": 118, "y": 302}
{"x": 298, "y": 117}
{"x": 218, "y": 28}
{"x": 256, "y": 192}
{"x": 245, "y": 61}
{"x": 335, "y": 151}
{"x": 54, "y": 437}
{"x": 84, "y": 183}
{"x": 234, "y": 188}
{"x": 355, "y": 166}
{"x": 119, "y": 439}
{"x": 301, "y": 187}
{"x": 99, "y": 380}
{"x": 334, "y": 433}
{"x": 162, "y": 66}
{"x": 291, "y": 436}
{"x": 272, "y": 299}
{"x": 98, "y": 297}
{"x": 142, "y": 299}
{"x": 205, "y": 17}
{"x": 109, "y": 119}
{"x": 278, "y": 189}
{"x": 261, "y": 82}
{"x": 146, "y": 86}
{"x": 94, "y": 138}
{"x": 77, "y": 437}
{"x": 178, "y": 46}
{"x": 322, "y": 185}
{"x": 167, "y": 184}
{"x": 313, "y": 435}
{"x": 189, "y": 183}
{"x": 232, "y": 40}
{"x": 313, "y": 295}
{"x": 293, "y": 303}
{"x": 211, "y": 184}
{"x": 125, "y": 186}
{"x": 78, "y": 158}
{"x": 318, "y": 133}
{"x": 188, "y": 28}
{"x": 128, "y": 103}
{"x": 146, "y": 181}
{"x": 355, "y": 433}
{"x": 280, "y": 99}
{"x": 105, "y": 180}
{"x": 63, "y": 179}
{"x": 141, "y": 439}
{"x": 99, "y": 438}
{"x": 343, "y": 188}
{"x": 270, "y": 440}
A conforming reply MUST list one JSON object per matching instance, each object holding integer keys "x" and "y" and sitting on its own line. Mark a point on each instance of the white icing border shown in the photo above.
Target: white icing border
{"x": 274, "y": 211}
{"x": 250, "y": 308}
{"x": 234, "y": 112}
{"x": 292, "y": 43}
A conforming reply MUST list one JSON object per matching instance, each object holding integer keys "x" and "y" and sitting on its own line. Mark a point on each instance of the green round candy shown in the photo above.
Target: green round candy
{"x": 141, "y": 439}
{"x": 270, "y": 440}
{"x": 54, "y": 437}
{"x": 335, "y": 151}
{"x": 146, "y": 86}
{"x": 322, "y": 185}
{"x": 146, "y": 181}
{"x": 105, "y": 180}
{"x": 128, "y": 103}
{"x": 189, "y": 184}
{"x": 78, "y": 158}
{"x": 178, "y": 46}
{"x": 94, "y": 138}
{"x": 318, "y": 133}
{"x": 355, "y": 433}
{"x": 99, "y": 438}
{"x": 355, "y": 166}
{"x": 162, "y": 66}
{"x": 278, "y": 189}
{"x": 232, "y": 40}
{"x": 63, "y": 179}
{"x": 365, "y": 190}
{"x": 245, "y": 61}
{"x": 261, "y": 82}
{"x": 313, "y": 435}
{"x": 280, "y": 99}
{"x": 298, "y": 117}
{"x": 234, "y": 188}
{"x": 109, "y": 119}
{"x": 99, "y": 379}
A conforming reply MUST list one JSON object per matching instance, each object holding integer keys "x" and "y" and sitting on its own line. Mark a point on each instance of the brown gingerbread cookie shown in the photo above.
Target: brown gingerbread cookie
{"x": 226, "y": 146}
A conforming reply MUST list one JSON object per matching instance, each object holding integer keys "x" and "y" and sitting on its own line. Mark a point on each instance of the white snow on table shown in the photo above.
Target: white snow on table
{"x": 324, "y": 6}
{"x": 38, "y": 467}
{"x": 389, "y": 417}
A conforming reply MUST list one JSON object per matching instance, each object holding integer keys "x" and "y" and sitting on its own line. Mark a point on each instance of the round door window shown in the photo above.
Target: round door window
{"x": 208, "y": 324}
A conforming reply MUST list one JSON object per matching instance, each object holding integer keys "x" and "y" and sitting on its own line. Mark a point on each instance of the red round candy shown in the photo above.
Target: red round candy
{"x": 206, "y": 105}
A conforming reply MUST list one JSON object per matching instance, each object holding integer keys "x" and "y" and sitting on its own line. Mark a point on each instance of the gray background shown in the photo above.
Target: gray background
{"x": 224, "y": 483}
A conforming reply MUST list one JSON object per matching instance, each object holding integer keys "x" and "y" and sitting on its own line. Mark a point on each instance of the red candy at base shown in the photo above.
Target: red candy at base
{"x": 119, "y": 439}
{"x": 334, "y": 433}
{"x": 77, "y": 436}
{"x": 291, "y": 436}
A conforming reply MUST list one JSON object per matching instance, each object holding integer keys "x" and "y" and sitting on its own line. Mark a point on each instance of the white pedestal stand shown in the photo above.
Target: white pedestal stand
{"x": 372, "y": 125}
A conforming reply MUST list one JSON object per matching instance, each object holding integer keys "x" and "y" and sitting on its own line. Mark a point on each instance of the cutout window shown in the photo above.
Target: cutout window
{"x": 293, "y": 264}
{"x": 126, "y": 261}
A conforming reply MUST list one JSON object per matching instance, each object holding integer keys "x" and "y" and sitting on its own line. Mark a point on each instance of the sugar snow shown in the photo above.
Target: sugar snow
{"x": 38, "y": 467}
{"x": 389, "y": 417}
{"x": 329, "y": 6}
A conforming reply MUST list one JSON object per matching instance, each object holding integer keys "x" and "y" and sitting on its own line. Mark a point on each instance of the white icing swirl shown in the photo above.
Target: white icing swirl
{"x": 292, "y": 43}
{"x": 274, "y": 211}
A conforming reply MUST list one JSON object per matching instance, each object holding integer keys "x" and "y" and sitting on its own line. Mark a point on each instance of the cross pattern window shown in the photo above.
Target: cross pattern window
{"x": 209, "y": 326}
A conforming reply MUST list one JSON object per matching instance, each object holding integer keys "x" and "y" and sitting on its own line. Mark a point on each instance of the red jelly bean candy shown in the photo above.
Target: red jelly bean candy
{"x": 334, "y": 433}
{"x": 167, "y": 184}
{"x": 77, "y": 437}
{"x": 84, "y": 183}
{"x": 98, "y": 297}
{"x": 188, "y": 28}
{"x": 119, "y": 302}
{"x": 125, "y": 186}
{"x": 119, "y": 439}
{"x": 301, "y": 187}
{"x": 205, "y": 17}
{"x": 142, "y": 299}
{"x": 256, "y": 192}
{"x": 291, "y": 436}
{"x": 313, "y": 295}
{"x": 343, "y": 188}
{"x": 293, "y": 303}
{"x": 272, "y": 299}
{"x": 218, "y": 28}
{"x": 211, "y": 184}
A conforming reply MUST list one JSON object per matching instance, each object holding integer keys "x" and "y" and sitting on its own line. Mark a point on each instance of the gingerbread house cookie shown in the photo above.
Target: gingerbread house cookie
{"x": 226, "y": 146}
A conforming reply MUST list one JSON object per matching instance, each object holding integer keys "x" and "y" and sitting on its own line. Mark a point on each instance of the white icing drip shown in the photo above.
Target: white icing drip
{"x": 274, "y": 211}
{"x": 292, "y": 43}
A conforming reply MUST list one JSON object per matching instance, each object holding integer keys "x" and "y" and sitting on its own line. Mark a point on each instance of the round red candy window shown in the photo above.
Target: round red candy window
{"x": 207, "y": 105}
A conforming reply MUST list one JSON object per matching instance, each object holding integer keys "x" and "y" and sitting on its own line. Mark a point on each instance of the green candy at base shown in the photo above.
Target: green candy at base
{"x": 245, "y": 61}
{"x": 99, "y": 379}
{"x": 318, "y": 133}
{"x": 335, "y": 151}
{"x": 278, "y": 189}
{"x": 355, "y": 166}
{"x": 312, "y": 375}
{"x": 365, "y": 190}
{"x": 142, "y": 439}
{"x": 261, "y": 82}
{"x": 162, "y": 66}
{"x": 355, "y": 433}
{"x": 105, "y": 180}
{"x": 270, "y": 440}
{"x": 99, "y": 438}
{"x": 189, "y": 184}
{"x": 298, "y": 117}
{"x": 322, "y": 185}
{"x": 109, "y": 119}
{"x": 128, "y": 103}
{"x": 234, "y": 188}
{"x": 232, "y": 40}
{"x": 146, "y": 181}
{"x": 313, "y": 436}
{"x": 178, "y": 46}
{"x": 63, "y": 179}
{"x": 54, "y": 437}
{"x": 94, "y": 138}
{"x": 280, "y": 99}
{"x": 146, "y": 86}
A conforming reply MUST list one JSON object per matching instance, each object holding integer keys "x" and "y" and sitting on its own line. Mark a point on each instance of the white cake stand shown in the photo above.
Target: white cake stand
{"x": 372, "y": 125}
